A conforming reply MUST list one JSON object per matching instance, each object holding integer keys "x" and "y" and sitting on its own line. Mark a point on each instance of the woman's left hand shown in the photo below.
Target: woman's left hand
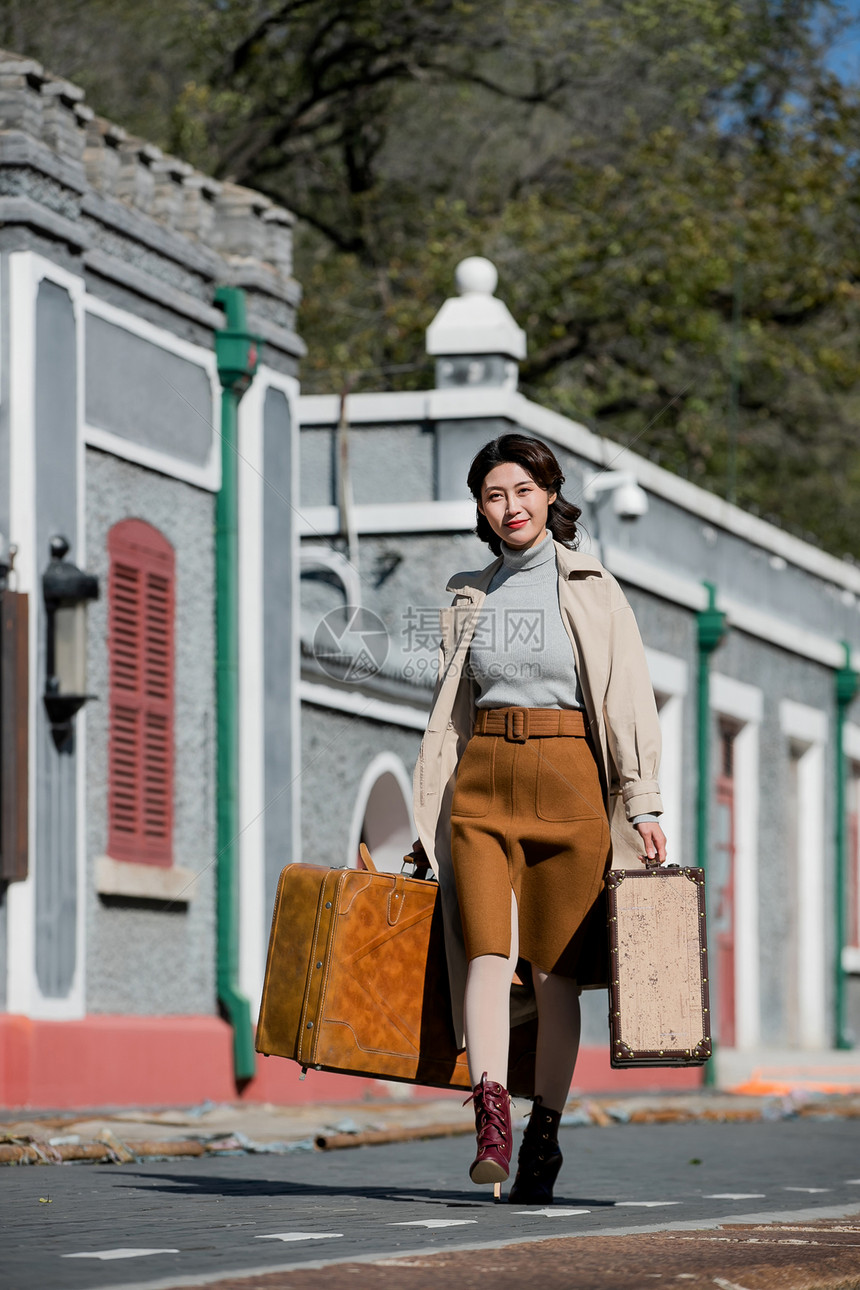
{"x": 653, "y": 839}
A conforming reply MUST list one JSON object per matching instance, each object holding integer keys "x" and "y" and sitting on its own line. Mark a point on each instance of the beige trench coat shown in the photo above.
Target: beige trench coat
{"x": 622, "y": 713}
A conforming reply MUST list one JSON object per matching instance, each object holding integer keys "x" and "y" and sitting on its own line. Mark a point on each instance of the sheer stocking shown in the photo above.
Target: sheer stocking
{"x": 559, "y": 1024}
{"x": 487, "y": 1010}
{"x": 487, "y": 1016}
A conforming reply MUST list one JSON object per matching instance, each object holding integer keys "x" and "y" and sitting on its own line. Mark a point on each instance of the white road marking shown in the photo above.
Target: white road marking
{"x": 397, "y": 1262}
{"x": 853, "y": 1182}
{"x": 551, "y": 1213}
{"x": 116, "y": 1254}
{"x": 434, "y": 1222}
{"x": 727, "y": 1285}
{"x": 812, "y": 1190}
{"x": 554, "y": 1212}
{"x": 735, "y": 1195}
{"x": 301, "y": 1236}
{"x": 646, "y": 1204}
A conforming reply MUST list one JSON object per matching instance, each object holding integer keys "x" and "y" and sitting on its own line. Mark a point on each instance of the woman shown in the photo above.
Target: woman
{"x": 538, "y": 768}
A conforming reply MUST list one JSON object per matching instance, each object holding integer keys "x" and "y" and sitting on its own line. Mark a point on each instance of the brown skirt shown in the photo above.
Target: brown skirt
{"x": 529, "y": 817}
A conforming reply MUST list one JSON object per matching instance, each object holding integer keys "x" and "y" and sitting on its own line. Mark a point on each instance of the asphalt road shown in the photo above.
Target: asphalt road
{"x": 91, "y": 1227}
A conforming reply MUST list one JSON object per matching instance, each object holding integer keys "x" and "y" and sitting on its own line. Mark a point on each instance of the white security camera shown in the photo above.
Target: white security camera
{"x": 630, "y": 502}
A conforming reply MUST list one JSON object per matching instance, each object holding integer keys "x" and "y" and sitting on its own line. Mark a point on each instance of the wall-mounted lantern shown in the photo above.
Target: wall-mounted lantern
{"x": 66, "y": 589}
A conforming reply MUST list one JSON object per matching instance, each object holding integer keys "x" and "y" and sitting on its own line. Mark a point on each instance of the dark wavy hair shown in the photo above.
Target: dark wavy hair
{"x": 540, "y": 462}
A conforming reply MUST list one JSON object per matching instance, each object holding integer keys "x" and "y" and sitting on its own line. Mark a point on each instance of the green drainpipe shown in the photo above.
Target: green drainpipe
{"x": 846, "y": 688}
{"x": 711, "y": 628}
{"x": 711, "y": 625}
{"x": 236, "y": 352}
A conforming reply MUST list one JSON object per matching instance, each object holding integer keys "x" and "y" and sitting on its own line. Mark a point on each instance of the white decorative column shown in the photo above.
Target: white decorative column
{"x": 477, "y": 345}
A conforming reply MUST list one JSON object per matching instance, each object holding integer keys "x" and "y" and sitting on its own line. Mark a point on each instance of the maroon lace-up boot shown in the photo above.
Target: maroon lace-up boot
{"x": 493, "y": 1128}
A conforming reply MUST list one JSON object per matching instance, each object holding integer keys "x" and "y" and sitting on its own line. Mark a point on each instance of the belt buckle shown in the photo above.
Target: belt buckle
{"x": 517, "y": 725}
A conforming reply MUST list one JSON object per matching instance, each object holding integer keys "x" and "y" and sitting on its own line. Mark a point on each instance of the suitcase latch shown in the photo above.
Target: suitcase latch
{"x": 396, "y": 900}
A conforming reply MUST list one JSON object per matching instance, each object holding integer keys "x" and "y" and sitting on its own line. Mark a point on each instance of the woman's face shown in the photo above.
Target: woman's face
{"x": 515, "y": 506}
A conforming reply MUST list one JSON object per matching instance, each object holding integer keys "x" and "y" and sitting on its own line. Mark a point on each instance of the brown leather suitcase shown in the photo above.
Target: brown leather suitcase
{"x": 356, "y": 981}
{"x": 659, "y": 1010}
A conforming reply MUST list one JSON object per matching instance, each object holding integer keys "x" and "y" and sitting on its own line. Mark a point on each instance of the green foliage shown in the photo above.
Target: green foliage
{"x": 669, "y": 189}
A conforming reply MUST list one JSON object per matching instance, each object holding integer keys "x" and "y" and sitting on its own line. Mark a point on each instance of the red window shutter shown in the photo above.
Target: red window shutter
{"x": 140, "y": 645}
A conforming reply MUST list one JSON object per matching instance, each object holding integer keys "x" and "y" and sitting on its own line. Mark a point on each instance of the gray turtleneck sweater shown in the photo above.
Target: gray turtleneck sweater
{"x": 521, "y": 653}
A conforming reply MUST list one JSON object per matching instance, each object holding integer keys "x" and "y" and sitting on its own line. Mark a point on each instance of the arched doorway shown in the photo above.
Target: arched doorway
{"x": 382, "y": 818}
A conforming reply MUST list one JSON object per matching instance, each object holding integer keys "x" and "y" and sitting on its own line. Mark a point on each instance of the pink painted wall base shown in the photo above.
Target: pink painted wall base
{"x": 107, "y": 1061}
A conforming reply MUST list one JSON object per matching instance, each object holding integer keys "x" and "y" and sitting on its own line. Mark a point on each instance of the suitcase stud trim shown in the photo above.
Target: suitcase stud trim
{"x": 316, "y": 983}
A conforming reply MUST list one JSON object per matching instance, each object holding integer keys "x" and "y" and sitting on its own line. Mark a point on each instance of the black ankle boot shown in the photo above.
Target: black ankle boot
{"x": 539, "y": 1160}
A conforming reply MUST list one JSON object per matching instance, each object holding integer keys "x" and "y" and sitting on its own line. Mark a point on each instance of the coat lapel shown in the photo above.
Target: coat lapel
{"x": 457, "y": 623}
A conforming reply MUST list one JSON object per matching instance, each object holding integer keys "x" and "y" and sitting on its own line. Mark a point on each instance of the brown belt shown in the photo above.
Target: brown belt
{"x": 520, "y": 724}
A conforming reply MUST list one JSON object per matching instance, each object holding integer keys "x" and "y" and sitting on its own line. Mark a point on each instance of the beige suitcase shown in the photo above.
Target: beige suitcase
{"x": 659, "y": 1009}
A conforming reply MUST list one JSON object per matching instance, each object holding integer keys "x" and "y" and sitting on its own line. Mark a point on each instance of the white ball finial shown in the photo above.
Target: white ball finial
{"x": 476, "y": 322}
{"x": 476, "y": 275}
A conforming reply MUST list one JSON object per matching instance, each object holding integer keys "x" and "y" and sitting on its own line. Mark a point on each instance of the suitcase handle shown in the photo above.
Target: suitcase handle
{"x": 366, "y": 858}
{"x": 419, "y": 863}
{"x": 420, "y": 868}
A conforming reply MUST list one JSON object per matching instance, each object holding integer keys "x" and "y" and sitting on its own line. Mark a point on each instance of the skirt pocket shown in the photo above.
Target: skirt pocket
{"x": 568, "y": 785}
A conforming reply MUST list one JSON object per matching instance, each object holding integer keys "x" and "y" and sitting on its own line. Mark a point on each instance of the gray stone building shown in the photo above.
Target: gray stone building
{"x": 116, "y": 968}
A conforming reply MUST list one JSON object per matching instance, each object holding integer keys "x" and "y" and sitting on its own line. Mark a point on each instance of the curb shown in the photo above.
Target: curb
{"x": 29, "y": 1146}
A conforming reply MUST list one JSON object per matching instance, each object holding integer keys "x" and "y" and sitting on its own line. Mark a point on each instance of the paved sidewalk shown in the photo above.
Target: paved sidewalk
{"x": 121, "y": 1137}
{"x": 161, "y": 1225}
{"x": 813, "y": 1255}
